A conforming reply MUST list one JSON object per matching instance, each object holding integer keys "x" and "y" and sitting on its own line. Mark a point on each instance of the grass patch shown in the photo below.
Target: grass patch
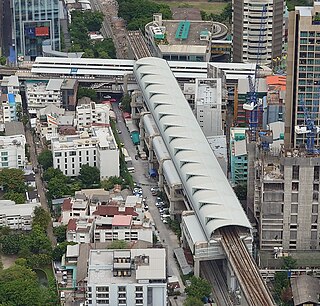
{"x": 208, "y": 7}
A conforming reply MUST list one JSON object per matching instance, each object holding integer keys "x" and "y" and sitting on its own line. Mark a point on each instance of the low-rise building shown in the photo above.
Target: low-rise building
{"x": 40, "y": 94}
{"x": 92, "y": 114}
{"x": 183, "y": 40}
{"x": 80, "y": 230}
{"x": 134, "y": 277}
{"x": 17, "y": 216}
{"x": 12, "y": 151}
{"x": 73, "y": 208}
{"x": 70, "y": 152}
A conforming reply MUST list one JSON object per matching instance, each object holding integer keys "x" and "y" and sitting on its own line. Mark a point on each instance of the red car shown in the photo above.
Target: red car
{"x": 113, "y": 100}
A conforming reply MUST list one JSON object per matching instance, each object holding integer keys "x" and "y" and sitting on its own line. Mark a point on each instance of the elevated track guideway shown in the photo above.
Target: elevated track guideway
{"x": 253, "y": 286}
{"x": 138, "y": 44}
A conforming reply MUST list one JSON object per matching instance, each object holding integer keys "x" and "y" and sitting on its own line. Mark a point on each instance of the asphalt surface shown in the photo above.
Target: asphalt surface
{"x": 141, "y": 177}
{"x": 39, "y": 183}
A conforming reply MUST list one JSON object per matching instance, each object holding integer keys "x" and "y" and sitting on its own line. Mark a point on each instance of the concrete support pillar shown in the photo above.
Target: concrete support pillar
{"x": 196, "y": 268}
{"x": 232, "y": 282}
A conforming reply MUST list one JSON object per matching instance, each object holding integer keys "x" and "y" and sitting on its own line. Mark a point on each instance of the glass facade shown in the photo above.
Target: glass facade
{"x": 35, "y": 21}
{"x": 308, "y": 80}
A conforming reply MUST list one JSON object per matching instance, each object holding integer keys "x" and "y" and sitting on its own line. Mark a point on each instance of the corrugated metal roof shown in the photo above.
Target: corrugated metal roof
{"x": 209, "y": 191}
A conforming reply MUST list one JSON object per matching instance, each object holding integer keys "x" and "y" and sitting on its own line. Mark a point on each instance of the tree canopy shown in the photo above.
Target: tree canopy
{"x": 12, "y": 180}
{"x": 41, "y": 218}
{"x": 199, "y": 288}
{"x": 86, "y": 92}
{"x": 111, "y": 181}
{"x": 45, "y": 159}
{"x": 19, "y": 286}
{"x": 81, "y": 24}
{"x": 137, "y": 13}
{"x": 89, "y": 176}
{"x": 60, "y": 233}
{"x": 192, "y": 301}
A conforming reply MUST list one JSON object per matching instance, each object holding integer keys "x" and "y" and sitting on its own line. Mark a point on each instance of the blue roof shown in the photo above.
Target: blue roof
{"x": 11, "y": 98}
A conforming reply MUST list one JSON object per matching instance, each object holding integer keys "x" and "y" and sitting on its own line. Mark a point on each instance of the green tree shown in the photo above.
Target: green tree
{"x": 37, "y": 242}
{"x": 19, "y": 286}
{"x": 289, "y": 263}
{"x": 38, "y": 260}
{"x": 61, "y": 249}
{"x": 109, "y": 183}
{"x": 57, "y": 187}
{"x": 60, "y": 233}
{"x": 125, "y": 103}
{"x": 89, "y": 175}
{"x": 192, "y": 301}
{"x": 45, "y": 159}
{"x": 3, "y": 60}
{"x": 118, "y": 244}
{"x": 41, "y": 218}
{"x": 199, "y": 288}
{"x": 281, "y": 283}
{"x": 86, "y": 92}
{"x": 18, "y": 198}
{"x": 52, "y": 172}
{"x": 11, "y": 244}
{"x": 93, "y": 20}
{"x": 12, "y": 180}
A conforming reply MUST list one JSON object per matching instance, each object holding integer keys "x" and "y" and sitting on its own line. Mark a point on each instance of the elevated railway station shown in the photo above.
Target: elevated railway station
{"x": 216, "y": 227}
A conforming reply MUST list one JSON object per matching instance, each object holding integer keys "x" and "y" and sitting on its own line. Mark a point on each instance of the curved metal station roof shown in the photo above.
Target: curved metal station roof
{"x": 209, "y": 191}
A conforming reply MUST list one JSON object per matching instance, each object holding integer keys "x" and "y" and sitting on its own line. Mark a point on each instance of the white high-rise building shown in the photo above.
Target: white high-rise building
{"x": 253, "y": 19}
{"x": 99, "y": 150}
{"x": 135, "y": 277}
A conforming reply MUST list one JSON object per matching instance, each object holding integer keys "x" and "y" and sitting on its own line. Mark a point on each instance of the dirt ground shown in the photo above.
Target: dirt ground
{"x": 8, "y": 261}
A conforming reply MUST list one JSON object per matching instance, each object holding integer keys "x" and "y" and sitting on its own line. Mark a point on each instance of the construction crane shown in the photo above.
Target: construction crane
{"x": 310, "y": 130}
{"x": 253, "y": 103}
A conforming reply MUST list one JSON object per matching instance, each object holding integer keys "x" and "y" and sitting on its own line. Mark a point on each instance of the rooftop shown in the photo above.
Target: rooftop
{"x": 121, "y": 220}
{"x": 145, "y": 264}
{"x": 208, "y": 189}
{"x": 9, "y": 208}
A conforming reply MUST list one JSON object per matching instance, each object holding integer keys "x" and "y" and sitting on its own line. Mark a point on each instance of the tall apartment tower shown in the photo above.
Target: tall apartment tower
{"x": 252, "y": 18}
{"x": 35, "y": 21}
{"x": 303, "y": 72}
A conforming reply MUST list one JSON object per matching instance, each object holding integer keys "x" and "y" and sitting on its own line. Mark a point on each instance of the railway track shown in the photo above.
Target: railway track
{"x": 246, "y": 270}
{"x": 211, "y": 272}
{"x": 138, "y": 44}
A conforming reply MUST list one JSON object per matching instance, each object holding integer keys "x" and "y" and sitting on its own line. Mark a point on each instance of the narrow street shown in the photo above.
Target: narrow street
{"x": 39, "y": 183}
{"x": 141, "y": 177}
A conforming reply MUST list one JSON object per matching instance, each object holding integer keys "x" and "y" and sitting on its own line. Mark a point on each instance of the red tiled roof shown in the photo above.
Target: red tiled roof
{"x": 66, "y": 205}
{"x": 72, "y": 225}
{"x": 110, "y": 210}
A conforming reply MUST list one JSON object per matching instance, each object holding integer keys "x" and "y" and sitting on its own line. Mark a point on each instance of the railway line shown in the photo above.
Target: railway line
{"x": 211, "y": 271}
{"x": 246, "y": 270}
{"x": 138, "y": 44}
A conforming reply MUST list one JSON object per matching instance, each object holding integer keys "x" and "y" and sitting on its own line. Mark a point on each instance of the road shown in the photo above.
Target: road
{"x": 168, "y": 238}
{"x": 40, "y": 187}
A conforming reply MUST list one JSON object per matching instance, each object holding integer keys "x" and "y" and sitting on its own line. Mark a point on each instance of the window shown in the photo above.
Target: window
{"x": 295, "y": 186}
{"x": 294, "y": 219}
{"x": 4, "y": 153}
{"x": 139, "y": 288}
{"x": 295, "y": 172}
{"x": 121, "y": 288}
{"x": 294, "y": 208}
{"x": 314, "y": 208}
{"x": 293, "y": 235}
{"x": 314, "y": 219}
{"x": 294, "y": 197}
{"x": 57, "y": 154}
{"x": 73, "y": 153}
